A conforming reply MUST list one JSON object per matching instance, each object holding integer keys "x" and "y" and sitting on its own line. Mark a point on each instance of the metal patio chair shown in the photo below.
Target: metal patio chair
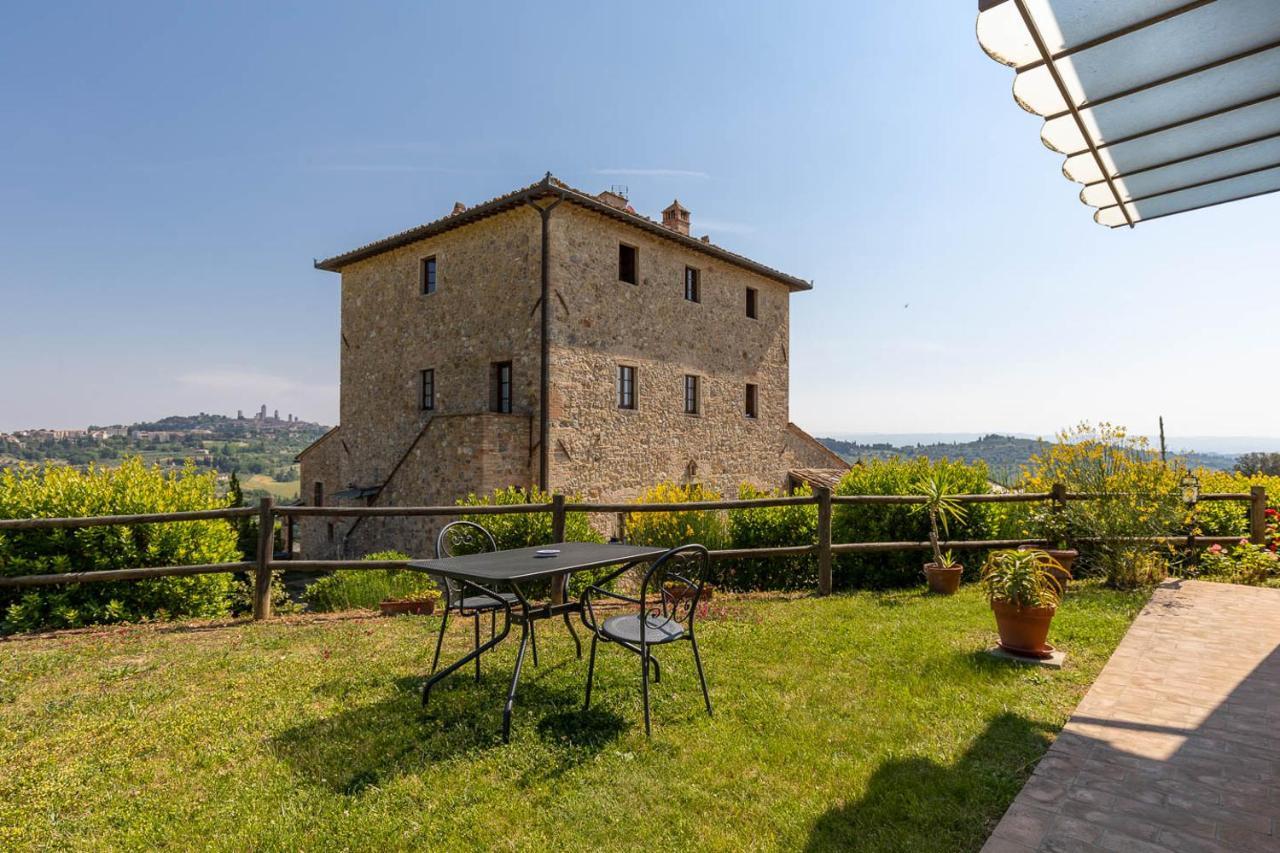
{"x": 667, "y": 606}
{"x": 475, "y": 539}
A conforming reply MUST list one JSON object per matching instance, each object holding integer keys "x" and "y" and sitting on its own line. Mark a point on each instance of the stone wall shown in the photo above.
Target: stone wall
{"x": 321, "y": 463}
{"x": 485, "y": 309}
{"x": 603, "y": 452}
{"x": 488, "y": 283}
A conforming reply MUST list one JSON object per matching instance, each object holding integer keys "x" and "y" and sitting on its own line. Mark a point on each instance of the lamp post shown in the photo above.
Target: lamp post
{"x": 1190, "y": 485}
{"x": 1190, "y": 489}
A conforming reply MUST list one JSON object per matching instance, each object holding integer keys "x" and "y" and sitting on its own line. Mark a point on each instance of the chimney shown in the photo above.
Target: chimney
{"x": 613, "y": 199}
{"x": 676, "y": 217}
{"x": 458, "y": 207}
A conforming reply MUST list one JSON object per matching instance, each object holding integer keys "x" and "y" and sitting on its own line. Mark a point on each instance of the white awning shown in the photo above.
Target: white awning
{"x": 1159, "y": 106}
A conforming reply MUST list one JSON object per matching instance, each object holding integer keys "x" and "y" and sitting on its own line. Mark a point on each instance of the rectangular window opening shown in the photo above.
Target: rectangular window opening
{"x": 626, "y": 387}
{"x": 317, "y": 494}
{"x": 428, "y": 274}
{"x": 691, "y": 395}
{"x": 627, "y": 257}
{"x": 429, "y": 390}
{"x": 500, "y": 387}
{"x": 751, "y": 302}
{"x": 692, "y": 285}
{"x": 753, "y": 401}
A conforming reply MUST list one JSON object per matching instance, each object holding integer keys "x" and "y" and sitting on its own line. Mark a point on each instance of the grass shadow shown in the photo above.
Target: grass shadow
{"x": 364, "y": 746}
{"x": 918, "y": 804}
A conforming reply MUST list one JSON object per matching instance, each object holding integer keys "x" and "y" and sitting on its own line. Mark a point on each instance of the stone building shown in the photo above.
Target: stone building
{"x": 662, "y": 357}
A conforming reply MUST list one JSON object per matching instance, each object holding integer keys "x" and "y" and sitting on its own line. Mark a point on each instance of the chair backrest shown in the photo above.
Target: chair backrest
{"x": 673, "y": 583}
{"x": 461, "y": 537}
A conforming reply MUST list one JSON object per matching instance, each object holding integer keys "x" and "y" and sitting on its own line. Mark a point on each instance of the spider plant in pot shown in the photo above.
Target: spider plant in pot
{"x": 942, "y": 508}
{"x": 1023, "y": 589}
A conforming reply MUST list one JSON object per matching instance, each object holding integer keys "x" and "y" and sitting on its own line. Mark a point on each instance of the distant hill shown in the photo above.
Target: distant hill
{"x": 1005, "y": 455}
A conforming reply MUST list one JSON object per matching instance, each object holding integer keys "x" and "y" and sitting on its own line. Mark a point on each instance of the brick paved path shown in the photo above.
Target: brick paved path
{"x": 1176, "y": 746}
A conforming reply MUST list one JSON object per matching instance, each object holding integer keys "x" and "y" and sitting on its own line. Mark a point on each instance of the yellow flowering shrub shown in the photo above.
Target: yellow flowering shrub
{"x": 669, "y": 529}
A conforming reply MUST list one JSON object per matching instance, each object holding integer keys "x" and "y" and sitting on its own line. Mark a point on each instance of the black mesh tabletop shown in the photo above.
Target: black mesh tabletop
{"x": 522, "y": 564}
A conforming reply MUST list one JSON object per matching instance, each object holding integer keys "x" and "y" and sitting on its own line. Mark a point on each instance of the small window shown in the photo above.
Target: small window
{"x": 626, "y": 387}
{"x": 690, "y": 395}
{"x": 500, "y": 387}
{"x": 627, "y": 263}
{"x": 692, "y": 285}
{"x": 317, "y": 494}
{"x": 751, "y": 302}
{"x": 429, "y": 390}
{"x": 753, "y": 401}
{"x": 428, "y": 274}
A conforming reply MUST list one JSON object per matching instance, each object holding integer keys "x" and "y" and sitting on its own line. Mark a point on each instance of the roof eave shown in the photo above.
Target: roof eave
{"x": 543, "y": 189}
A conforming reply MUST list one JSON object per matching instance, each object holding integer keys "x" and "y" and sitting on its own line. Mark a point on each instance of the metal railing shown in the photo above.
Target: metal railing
{"x": 267, "y": 512}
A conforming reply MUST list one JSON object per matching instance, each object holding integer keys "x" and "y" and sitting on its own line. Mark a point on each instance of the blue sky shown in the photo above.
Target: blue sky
{"x": 169, "y": 171}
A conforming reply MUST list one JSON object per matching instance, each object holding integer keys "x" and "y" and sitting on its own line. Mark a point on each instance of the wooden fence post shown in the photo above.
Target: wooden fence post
{"x": 824, "y": 539}
{"x": 1258, "y": 514}
{"x": 1058, "y": 494}
{"x": 622, "y": 527}
{"x": 262, "y": 573}
{"x": 559, "y": 583}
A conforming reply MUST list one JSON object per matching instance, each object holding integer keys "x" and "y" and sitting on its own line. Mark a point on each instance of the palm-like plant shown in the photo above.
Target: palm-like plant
{"x": 941, "y": 506}
{"x": 1022, "y": 578}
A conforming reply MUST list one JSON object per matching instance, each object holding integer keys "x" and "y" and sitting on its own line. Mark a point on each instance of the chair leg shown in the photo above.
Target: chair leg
{"x": 644, "y": 689}
{"x": 591, "y": 671}
{"x": 697, "y": 659}
{"x": 533, "y": 641}
{"x": 493, "y": 624}
{"x": 572, "y": 633}
{"x": 444, "y": 620}
{"x": 477, "y": 627}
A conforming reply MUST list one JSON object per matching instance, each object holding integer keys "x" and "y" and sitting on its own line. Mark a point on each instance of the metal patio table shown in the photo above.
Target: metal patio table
{"x": 481, "y": 573}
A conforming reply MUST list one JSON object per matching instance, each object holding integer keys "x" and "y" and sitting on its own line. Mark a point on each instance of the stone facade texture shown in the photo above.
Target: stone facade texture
{"x": 485, "y": 309}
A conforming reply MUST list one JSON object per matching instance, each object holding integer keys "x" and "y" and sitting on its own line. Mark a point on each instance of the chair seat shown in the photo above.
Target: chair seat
{"x": 484, "y": 602}
{"x": 657, "y": 629}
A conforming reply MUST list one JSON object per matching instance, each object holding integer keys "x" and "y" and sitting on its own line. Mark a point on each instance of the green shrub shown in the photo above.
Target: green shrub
{"x": 132, "y": 488}
{"x": 669, "y": 529}
{"x": 770, "y": 527}
{"x": 362, "y": 589}
{"x": 528, "y": 529}
{"x": 903, "y": 522}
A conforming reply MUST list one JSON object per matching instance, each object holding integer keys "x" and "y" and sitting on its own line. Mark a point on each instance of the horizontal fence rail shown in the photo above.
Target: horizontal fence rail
{"x": 823, "y": 549}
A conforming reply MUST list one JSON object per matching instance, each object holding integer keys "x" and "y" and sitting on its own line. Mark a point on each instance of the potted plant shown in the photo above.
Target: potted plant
{"x": 942, "y": 508}
{"x": 1051, "y": 525}
{"x": 422, "y": 603}
{"x": 1023, "y": 590}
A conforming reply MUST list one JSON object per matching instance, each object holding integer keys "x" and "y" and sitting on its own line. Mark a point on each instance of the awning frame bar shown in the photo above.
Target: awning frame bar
{"x": 1197, "y": 207}
{"x": 1192, "y": 186}
{"x": 1034, "y": 31}
{"x": 1252, "y": 102}
{"x": 1175, "y": 161}
{"x": 1115, "y": 34}
{"x": 1169, "y": 78}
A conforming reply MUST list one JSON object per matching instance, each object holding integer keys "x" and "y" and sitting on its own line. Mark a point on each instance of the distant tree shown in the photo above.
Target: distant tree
{"x": 1267, "y": 464}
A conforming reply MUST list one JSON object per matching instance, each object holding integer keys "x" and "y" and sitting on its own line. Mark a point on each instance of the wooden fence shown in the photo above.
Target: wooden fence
{"x": 264, "y": 562}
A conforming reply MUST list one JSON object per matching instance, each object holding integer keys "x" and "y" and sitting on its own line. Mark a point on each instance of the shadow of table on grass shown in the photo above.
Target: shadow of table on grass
{"x": 366, "y": 745}
{"x": 918, "y": 804}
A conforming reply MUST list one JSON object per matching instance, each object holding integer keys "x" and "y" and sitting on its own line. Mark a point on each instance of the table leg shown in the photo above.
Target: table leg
{"x": 572, "y": 633}
{"x": 474, "y": 653}
{"x": 515, "y": 680}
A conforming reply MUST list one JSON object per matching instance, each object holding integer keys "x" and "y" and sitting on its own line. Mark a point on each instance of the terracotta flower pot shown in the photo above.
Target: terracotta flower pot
{"x": 943, "y": 580}
{"x": 1065, "y": 557}
{"x": 397, "y": 606}
{"x": 1023, "y": 630}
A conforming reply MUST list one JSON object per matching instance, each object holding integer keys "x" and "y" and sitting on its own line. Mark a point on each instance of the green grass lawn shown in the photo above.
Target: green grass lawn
{"x": 868, "y": 721}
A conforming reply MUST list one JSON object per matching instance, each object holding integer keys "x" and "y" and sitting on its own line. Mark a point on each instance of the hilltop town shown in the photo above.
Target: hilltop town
{"x": 260, "y": 448}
